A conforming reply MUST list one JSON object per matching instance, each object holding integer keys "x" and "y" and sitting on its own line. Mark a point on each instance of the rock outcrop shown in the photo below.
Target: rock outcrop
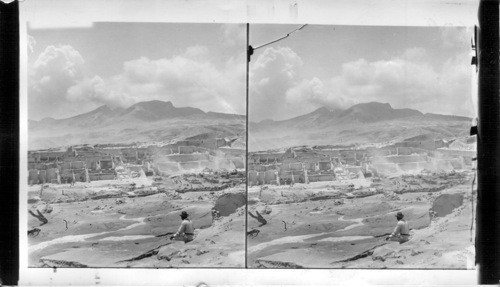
{"x": 227, "y": 203}
{"x": 446, "y": 203}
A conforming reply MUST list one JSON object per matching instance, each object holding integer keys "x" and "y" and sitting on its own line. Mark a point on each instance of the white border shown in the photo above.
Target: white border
{"x": 23, "y": 146}
{"x": 73, "y": 13}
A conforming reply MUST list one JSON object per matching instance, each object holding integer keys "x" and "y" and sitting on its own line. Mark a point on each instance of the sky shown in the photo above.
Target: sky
{"x": 75, "y": 70}
{"x": 423, "y": 68}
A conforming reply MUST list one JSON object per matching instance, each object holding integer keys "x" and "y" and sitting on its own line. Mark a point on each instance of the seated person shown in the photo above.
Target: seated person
{"x": 402, "y": 231}
{"x": 186, "y": 230}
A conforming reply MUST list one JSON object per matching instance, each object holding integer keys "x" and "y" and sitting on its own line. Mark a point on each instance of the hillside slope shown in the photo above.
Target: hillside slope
{"x": 144, "y": 122}
{"x": 360, "y": 124}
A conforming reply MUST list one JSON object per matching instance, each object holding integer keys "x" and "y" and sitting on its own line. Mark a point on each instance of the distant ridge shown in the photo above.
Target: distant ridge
{"x": 362, "y": 113}
{"x": 157, "y": 110}
{"x": 148, "y": 111}
{"x": 143, "y": 122}
{"x": 360, "y": 124}
{"x": 447, "y": 117}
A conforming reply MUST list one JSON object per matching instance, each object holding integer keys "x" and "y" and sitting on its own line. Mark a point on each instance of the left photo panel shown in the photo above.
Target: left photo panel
{"x": 136, "y": 145}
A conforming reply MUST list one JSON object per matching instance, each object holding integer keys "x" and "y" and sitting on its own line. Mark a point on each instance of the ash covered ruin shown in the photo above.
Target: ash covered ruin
{"x": 87, "y": 163}
{"x": 126, "y": 202}
{"x": 333, "y": 206}
{"x": 329, "y": 163}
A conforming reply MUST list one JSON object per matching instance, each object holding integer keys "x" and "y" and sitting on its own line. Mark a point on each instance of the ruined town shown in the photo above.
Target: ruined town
{"x": 351, "y": 159}
{"x": 334, "y": 206}
{"x": 360, "y": 156}
{"x": 119, "y": 206}
{"x": 136, "y": 146}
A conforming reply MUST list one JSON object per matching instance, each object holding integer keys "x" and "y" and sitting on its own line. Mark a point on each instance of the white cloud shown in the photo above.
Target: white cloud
{"x": 272, "y": 74}
{"x": 189, "y": 79}
{"x": 57, "y": 65}
{"x": 409, "y": 80}
{"x": 396, "y": 81}
{"x": 55, "y": 70}
{"x": 314, "y": 93}
{"x": 87, "y": 89}
{"x": 58, "y": 83}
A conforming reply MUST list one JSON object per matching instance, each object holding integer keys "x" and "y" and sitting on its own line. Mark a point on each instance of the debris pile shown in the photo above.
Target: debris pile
{"x": 208, "y": 180}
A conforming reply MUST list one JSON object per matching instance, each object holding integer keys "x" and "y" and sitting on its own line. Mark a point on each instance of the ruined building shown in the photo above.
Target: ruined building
{"x": 305, "y": 165}
{"x": 88, "y": 163}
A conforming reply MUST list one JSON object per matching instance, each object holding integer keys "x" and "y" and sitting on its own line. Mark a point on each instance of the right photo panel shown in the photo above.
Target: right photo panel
{"x": 359, "y": 147}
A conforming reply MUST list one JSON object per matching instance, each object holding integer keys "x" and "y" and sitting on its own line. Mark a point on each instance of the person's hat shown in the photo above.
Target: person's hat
{"x": 184, "y": 214}
{"x": 400, "y": 215}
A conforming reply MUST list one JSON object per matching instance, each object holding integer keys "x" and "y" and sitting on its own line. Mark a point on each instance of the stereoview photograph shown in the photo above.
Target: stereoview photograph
{"x": 137, "y": 145}
{"x": 359, "y": 147}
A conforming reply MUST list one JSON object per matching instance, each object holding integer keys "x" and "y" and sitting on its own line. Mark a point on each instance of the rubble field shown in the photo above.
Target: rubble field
{"x": 128, "y": 222}
{"x": 344, "y": 223}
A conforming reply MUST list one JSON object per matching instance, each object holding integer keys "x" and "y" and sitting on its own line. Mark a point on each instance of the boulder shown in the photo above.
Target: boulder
{"x": 266, "y": 210}
{"x": 446, "y": 203}
{"x": 201, "y": 252}
{"x": 388, "y": 251}
{"x": 46, "y": 208}
{"x": 415, "y": 253}
{"x": 168, "y": 252}
{"x": 120, "y": 201}
{"x": 227, "y": 203}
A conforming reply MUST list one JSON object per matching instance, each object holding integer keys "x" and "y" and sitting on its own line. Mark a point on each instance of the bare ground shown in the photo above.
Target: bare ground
{"x": 127, "y": 223}
{"x": 344, "y": 224}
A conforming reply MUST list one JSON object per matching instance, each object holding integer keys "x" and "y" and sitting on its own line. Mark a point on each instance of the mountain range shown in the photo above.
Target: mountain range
{"x": 360, "y": 113}
{"x": 149, "y": 111}
{"x": 143, "y": 122}
{"x": 363, "y": 123}
{"x": 158, "y": 121}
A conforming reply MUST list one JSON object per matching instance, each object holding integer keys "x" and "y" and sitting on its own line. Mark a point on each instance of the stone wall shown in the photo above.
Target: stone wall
{"x": 296, "y": 166}
{"x": 106, "y": 164}
{"x": 266, "y": 157}
{"x": 53, "y": 175}
{"x": 191, "y": 149}
{"x": 42, "y": 176}
{"x": 271, "y": 177}
{"x": 102, "y": 176}
{"x": 167, "y": 167}
{"x": 32, "y": 176}
{"x": 252, "y": 178}
{"x": 320, "y": 177}
{"x": 325, "y": 165}
{"x": 261, "y": 178}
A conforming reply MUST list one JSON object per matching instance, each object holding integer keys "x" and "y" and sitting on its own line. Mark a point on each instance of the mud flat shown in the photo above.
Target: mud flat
{"x": 128, "y": 223}
{"x": 344, "y": 224}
